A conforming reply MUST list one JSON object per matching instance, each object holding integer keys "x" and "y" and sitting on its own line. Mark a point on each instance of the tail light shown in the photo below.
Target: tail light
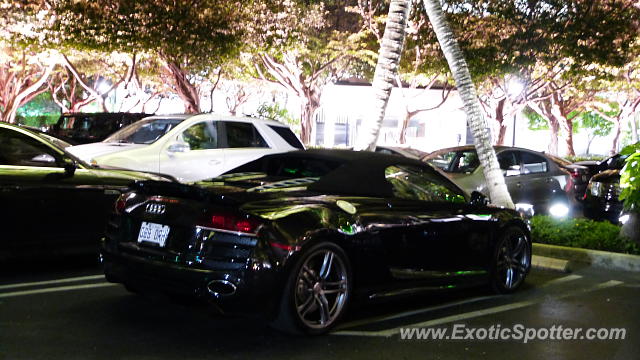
{"x": 231, "y": 222}
{"x": 120, "y": 204}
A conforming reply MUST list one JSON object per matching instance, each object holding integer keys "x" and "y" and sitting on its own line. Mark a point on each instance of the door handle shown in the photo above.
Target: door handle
{"x": 518, "y": 184}
{"x": 9, "y": 188}
{"x": 215, "y": 162}
{"x": 549, "y": 180}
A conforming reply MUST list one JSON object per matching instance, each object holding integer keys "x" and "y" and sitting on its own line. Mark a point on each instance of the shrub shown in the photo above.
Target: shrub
{"x": 581, "y": 233}
{"x": 630, "y": 178}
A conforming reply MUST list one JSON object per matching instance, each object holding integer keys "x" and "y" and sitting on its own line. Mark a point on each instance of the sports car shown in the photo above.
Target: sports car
{"x": 298, "y": 236}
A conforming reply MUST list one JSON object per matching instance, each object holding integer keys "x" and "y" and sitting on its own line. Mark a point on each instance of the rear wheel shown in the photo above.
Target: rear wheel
{"x": 511, "y": 260}
{"x": 317, "y": 291}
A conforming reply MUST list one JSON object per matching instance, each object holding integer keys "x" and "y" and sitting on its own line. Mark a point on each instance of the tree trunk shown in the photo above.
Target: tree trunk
{"x": 554, "y": 126}
{"x": 310, "y": 103}
{"x": 567, "y": 125}
{"x": 502, "y": 127}
{"x": 404, "y": 125}
{"x": 479, "y": 127}
{"x": 187, "y": 92}
{"x": 386, "y": 70}
{"x": 616, "y": 136}
{"x": 24, "y": 92}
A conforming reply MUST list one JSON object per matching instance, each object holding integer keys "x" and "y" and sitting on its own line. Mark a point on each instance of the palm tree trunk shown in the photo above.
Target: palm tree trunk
{"x": 479, "y": 127}
{"x": 386, "y": 70}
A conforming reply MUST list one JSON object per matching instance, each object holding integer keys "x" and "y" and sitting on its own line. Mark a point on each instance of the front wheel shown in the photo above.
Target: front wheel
{"x": 511, "y": 260}
{"x": 317, "y": 291}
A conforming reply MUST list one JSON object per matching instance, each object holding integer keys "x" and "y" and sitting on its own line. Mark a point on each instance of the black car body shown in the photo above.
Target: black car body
{"x": 313, "y": 228}
{"x": 83, "y": 128}
{"x": 601, "y": 200}
{"x": 532, "y": 177}
{"x": 52, "y": 203}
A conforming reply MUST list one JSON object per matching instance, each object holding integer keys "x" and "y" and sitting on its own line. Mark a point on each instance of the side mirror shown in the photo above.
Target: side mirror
{"x": 178, "y": 147}
{"x": 70, "y": 167}
{"x": 478, "y": 199}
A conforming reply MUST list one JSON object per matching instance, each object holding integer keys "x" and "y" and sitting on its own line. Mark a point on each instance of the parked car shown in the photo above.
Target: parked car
{"x": 83, "y": 128}
{"x": 580, "y": 176}
{"x": 300, "y": 235}
{"x": 532, "y": 177}
{"x": 601, "y": 200}
{"x": 52, "y": 203}
{"x": 190, "y": 147}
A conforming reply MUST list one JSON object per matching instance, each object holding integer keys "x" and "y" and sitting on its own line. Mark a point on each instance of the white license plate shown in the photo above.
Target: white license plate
{"x": 153, "y": 233}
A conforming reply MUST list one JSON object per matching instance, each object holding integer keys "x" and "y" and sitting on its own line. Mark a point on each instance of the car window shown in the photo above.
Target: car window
{"x": 21, "y": 150}
{"x": 243, "y": 135}
{"x": 443, "y": 160}
{"x": 532, "y": 163}
{"x": 509, "y": 163}
{"x": 416, "y": 183}
{"x": 288, "y": 136}
{"x": 202, "y": 136}
{"x": 144, "y": 131}
{"x": 464, "y": 162}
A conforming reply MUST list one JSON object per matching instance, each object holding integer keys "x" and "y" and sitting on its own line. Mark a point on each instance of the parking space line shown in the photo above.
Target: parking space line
{"x": 561, "y": 280}
{"x": 55, "y": 289}
{"x": 49, "y": 282}
{"x": 477, "y": 313}
{"x": 415, "y": 312}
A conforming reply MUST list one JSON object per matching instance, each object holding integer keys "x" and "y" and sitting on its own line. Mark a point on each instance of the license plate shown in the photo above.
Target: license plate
{"x": 153, "y": 233}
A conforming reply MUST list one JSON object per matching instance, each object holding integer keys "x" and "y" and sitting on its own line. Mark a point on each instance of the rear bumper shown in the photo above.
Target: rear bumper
{"x": 252, "y": 289}
{"x": 598, "y": 209}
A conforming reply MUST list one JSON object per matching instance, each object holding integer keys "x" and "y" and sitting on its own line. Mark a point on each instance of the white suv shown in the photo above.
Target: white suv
{"x": 189, "y": 147}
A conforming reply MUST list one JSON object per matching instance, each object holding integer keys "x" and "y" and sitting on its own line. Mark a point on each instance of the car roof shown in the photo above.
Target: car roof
{"x": 472, "y": 147}
{"x": 217, "y": 117}
{"x": 361, "y": 172}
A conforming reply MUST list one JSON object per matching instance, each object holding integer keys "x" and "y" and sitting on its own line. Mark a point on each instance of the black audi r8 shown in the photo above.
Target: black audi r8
{"x": 300, "y": 235}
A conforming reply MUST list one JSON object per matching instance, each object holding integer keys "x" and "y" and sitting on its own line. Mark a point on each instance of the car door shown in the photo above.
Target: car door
{"x": 437, "y": 243}
{"x": 46, "y": 208}
{"x": 511, "y": 167}
{"x": 539, "y": 187}
{"x": 196, "y": 153}
{"x": 243, "y": 143}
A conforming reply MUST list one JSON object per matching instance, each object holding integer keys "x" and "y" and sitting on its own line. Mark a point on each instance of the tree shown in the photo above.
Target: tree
{"x": 479, "y": 128}
{"x": 302, "y": 46}
{"x": 188, "y": 37}
{"x": 23, "y": 75}
{"x": 385, "y": 74}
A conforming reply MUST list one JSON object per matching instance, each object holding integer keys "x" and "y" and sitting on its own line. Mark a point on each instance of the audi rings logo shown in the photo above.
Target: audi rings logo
{"x": 155, "y": 208}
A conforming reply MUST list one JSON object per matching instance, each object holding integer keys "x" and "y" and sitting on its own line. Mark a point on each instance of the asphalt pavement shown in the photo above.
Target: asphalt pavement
{"x": 68, "y": 311}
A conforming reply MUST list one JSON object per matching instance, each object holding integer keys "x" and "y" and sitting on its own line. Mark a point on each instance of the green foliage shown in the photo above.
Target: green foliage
{"x": 39, "y": 112}
{"x": 581, "y": 233}
{"x": 273, "y": 111}
{"x": 593, "y": 157}
{"x": 595, "y": 124}
{"x": 630, "y": 178}
{"x": 536, "y": 122}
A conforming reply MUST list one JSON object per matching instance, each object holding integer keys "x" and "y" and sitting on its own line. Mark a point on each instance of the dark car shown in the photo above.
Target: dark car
{"x": 300, "y": 235}
{"x": 532, "y": 178}
{"x": 601, "y": 200}
{"x": 52, "y": 203}
{"x": 83, "y": 128}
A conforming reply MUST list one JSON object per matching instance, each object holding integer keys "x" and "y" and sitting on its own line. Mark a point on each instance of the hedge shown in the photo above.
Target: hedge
{"x": 581, "y": 233}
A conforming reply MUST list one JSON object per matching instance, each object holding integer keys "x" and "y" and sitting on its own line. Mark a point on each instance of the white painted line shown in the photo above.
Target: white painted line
{"x": 561, "y": 280}
{"x": 55, "y": 289}
{"x": 49, "y": 282}
{"x": 415, "y": 312}
{"x": 477, "y": 313}
{"x": 440, "y": 307}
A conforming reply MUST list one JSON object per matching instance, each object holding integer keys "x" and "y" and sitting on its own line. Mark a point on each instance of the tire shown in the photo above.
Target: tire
{"x": 315, "y": 296}
{"x": 511, "y": 261}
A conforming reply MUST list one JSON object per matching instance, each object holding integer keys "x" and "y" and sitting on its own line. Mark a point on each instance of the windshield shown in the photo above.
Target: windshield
{"x": 463, "y": 161}
{"x": 144, "y": 131}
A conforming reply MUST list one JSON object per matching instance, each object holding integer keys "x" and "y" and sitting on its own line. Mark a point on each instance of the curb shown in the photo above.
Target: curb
{"x": 585, "y": 257}
{"x": 548, "y": 263}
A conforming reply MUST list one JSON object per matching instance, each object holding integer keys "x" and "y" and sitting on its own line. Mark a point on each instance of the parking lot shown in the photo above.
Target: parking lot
{"x": 69, "y": 311}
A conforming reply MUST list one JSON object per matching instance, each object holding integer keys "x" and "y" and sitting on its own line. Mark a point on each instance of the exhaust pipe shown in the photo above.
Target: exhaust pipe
{"x": 221, "y": 288}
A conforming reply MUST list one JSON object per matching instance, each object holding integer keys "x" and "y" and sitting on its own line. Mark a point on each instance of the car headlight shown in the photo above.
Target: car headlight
{"x": 623, "y": 219}
{"x": 595, "y": 188}
{"x": 559, "y": 210}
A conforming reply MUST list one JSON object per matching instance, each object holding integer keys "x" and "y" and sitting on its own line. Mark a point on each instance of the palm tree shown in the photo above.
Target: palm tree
{"x": 475, "y": 119}
{"x": 386, "y": 71}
